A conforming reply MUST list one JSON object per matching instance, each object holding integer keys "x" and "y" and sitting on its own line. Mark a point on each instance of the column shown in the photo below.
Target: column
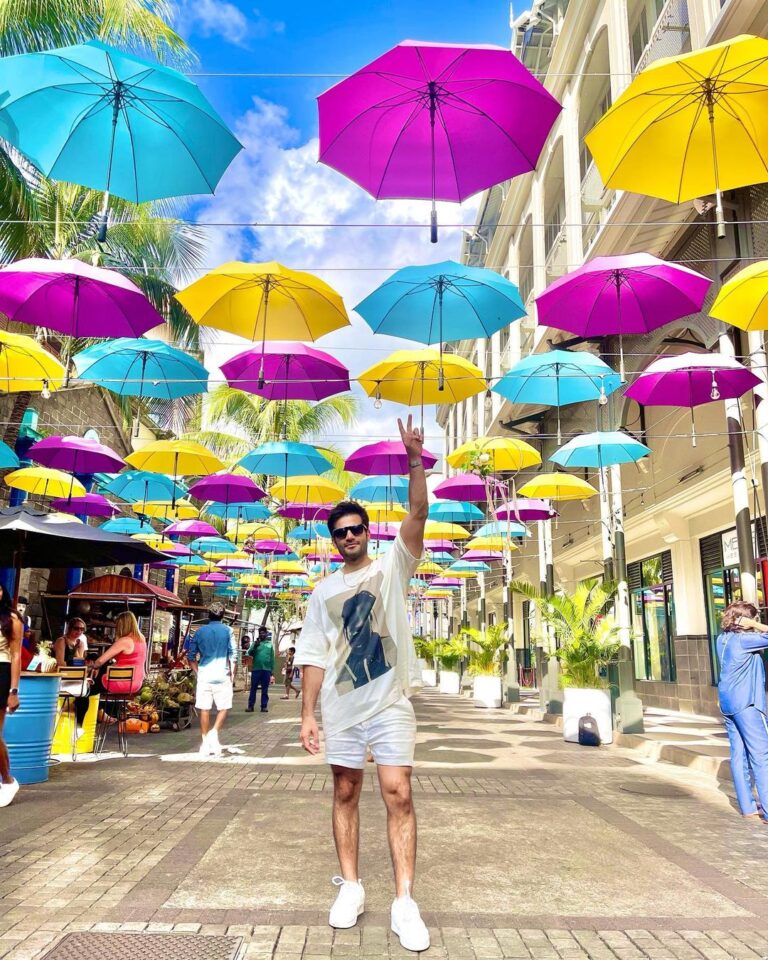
{"x": 759, "y": 360}
{"x": 619, "y": 47}
{"x": 512, "y": 680}
{"x": 482, "y": 425}
{"x": 569, "y": 120}
{"x": 606, "y": 526}
{"x": 538, "y": 235}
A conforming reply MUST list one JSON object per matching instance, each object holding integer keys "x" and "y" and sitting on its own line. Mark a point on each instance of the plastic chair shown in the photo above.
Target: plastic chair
{"x": 111, "y": 676}
{"x": 76, "y": 686}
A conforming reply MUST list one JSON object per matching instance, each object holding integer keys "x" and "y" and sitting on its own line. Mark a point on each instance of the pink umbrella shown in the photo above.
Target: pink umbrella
{"x": 190, "y": 528}
{"x": 468, "y": 486}
{"x": 305, "y": 511}
{"x": 526, "y": 508}
{"x": 177, "y": 549}
{"x": 287, "y": 371}
{"x": 382, "y": 531}
{"x": 446, "y": 582}
{"x": 227, "y": 488}
{"x": 435, "y": 121}
{"x": 90, "y": 505}
{"x": 237, "y": 563}
{"x": 214, "y": 577}
{"x": 75, "y": 454}
{"x": 272, "y": 546}
{"x": 482, "y": 556}
{"x": 387, "y": 457}
{"x": 631, "y": 294}
{"x": 440, "y": 546}
{"x": 691, "y": 379}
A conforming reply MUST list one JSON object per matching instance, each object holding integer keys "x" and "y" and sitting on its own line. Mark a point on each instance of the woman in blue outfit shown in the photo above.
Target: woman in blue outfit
{"x": 743, "y": 703}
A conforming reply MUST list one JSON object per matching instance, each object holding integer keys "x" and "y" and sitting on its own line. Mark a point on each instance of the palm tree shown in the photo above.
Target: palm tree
{"x": 485, "y": 649}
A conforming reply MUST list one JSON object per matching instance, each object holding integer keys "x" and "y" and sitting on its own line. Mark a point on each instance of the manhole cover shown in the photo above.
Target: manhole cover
{"x": 652, "y": 789}
{"x": 147, "y": 946}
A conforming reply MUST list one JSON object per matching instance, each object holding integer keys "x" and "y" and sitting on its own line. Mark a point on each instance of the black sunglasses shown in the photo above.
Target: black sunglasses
{"x": 340, "y": 533}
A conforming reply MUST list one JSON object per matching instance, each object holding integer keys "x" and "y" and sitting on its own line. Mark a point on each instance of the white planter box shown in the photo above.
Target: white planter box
{"x": 449, "y": 682}
{"x": 486, "y": 692}
{"x": 578, "y": 703}
{"x": 428, "y": 677}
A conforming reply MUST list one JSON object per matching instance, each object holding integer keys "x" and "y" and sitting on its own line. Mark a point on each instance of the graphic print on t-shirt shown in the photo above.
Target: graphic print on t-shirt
{"x": 366, "y": 651}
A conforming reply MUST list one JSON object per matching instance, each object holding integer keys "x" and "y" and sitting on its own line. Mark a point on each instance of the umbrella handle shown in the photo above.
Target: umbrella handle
{"x": 433, "y": 224}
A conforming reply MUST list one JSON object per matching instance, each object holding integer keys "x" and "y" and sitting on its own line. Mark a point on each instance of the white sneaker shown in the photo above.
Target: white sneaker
{"x": 408, "y": 925}
{"x": 79, "y": 731}
{"x": 349, "y": 903}
{"x": 214, "y": 746}
{"x": 7, "y": 792}
{"x": 205, "y": 747}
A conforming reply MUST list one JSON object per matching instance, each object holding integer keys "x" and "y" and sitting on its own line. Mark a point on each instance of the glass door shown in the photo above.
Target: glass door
{"x": 723, "y": 587}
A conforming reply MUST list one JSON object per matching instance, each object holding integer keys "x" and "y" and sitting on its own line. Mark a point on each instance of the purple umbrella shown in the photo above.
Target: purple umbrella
{"x": 177, "y": 550}
{"x": 90, "y": 505}
{"x": 435, "y": 121}
{"x": 75, "y": 455}
{"x": 305, "y": 511}
{"x": 276, "y": 547}
{"x": 214, "y": 577}
{"x": 227, "y": 488}
{"x": 287, "y": 371}
{"x": 526, "y": 508}
{"x": 630, "y": 294}
{"x": 190, "y": 528}
{"x": 440, "y": 546}
{"x": 482, "y": 556}
{"x": 382, "y": 531}
{"x": 468, "y": 486}
{"x": 387, "y": 457}
{"x": 691, "y": 379}
{"x": 446, "y": 582}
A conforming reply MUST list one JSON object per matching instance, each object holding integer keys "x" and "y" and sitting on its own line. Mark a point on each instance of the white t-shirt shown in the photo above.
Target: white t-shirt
{"x": 356, "y": 629}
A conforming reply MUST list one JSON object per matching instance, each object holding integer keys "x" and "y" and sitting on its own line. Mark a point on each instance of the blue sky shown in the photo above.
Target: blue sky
{"x": 277, "y": 177}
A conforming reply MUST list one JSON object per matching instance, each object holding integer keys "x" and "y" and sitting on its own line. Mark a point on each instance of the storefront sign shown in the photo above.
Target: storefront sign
{"x": 731, "y": 547}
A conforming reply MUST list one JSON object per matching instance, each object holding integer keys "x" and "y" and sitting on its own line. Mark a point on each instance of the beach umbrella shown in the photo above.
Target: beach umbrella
{"x": 690, "y": 125}
{"x": 311, "y": 489}
{"x": 691, "y": 379}
{"x": 558, "y": 486}
{"x": 455, "y": 511}
{"x": 469, "y": 486}
{"x": 105, "y": 119}
{"x": 387, "y": 489}
{"x": 557, "y": 378}
{"x": 743, "y": 300}
{"x": 88, "y": 505}
{"x": 284, "y": 458}
{"x": 634, "y": 293}
{"x": 601, "y": 449}
{"x": 435, "y": 121}
{"x": 75, "y": 454}
{"x": 190, "y": 528}
{"x": 135, "y": 485}
{"x": 239, "y": 512}
{"x": 499, "y": 454}
{"x": 384, "y": 457}
{"x": 125, "y": 525}
{"x": 287, "y": 371}
{"x": 440, "y": 530}
{"x": 26, "y": 367}
{"x": 44, "y": 482}
{"x": 264, "y": 301}
{"x": 8, "y": 458}
{"x": 525, "y": 509}
{"x": 227, "y": 488}
{"x": 178, "y": 510}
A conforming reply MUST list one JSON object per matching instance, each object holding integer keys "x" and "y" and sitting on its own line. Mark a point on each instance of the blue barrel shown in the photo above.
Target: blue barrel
{"x": 29, "y": 731}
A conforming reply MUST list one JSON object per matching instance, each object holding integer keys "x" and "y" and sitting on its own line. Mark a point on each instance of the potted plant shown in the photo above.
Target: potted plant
{"x": 485, "y": 663}
{"x": 426, "y": 651}
{"x": 587, "y": 641}
{"x": 450, "y": 656}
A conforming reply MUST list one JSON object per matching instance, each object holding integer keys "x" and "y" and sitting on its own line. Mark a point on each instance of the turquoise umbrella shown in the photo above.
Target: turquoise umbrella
{"x": 309, "y": 531}
{"x": 242, "y": 512}
{"x": 467, "y": 566}
{"x": 381, "y": 490}
{"x": 212, "y": 545}
{"x": 108, "y": 120}
{"x": 284, "y": 458}
{"x": 139, "y": 486}
{"x": 126, "y": 525}
{"x": 600, "y": 449}
{"x": 502, "y": 528}
{"x": 455, "y": 511}
{"x": 7, "y": 457}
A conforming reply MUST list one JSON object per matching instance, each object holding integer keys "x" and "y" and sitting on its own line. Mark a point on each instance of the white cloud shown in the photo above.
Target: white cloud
{"x": 220, "y": 18}
{"x": 277, "y": 179}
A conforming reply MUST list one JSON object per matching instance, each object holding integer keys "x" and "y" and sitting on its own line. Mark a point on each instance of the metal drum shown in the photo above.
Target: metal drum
{"x": 29, "y": 731}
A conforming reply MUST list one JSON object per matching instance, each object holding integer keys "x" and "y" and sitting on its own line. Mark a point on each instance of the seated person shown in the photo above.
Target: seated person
{"x": 72, "y": 644}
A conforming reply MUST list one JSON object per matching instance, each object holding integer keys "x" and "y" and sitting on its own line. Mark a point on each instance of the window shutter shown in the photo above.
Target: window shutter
{"x": 711, "y": 548}
{"x": 666, "y": 568}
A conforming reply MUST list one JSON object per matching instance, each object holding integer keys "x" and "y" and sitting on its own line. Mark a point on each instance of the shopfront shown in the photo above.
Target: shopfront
{"x": 653, "y": 617}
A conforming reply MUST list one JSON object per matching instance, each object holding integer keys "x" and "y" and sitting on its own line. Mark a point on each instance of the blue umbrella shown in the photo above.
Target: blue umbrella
{"x": 600, "y": 449}
{"x": 105, "y": 119}
{"x": 467, "y": 566}
{"x": 441, "y": 556}
{"x": 244, "y": 512}
{"x": 126, "y": 525}
{"x": 309, "y": 531}
{"x": 212, "y": 545}
{"x": 141, "y": 368}
{"x": 392, "y": 489}
{"x": 138, "y": 486}
{"x": 284, "y": 458}
{"x": 557, "y": 378}
{"x": 502, "y": 528}
{"x": 7, "y": 457}
{"x": 455, "y": 511}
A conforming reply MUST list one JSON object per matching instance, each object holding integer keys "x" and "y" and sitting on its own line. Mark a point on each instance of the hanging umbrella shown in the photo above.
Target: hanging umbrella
{"x": 272, "y": 548}
{"x": 190, "y": 528}
{"x": 558, "y": 486}
{"x": 428, "y": 568}
{"x": 244, "y": 564}
{"x": 75, "y": 454}
{"x": 227, "y": 488}
{"x": 469, "y": 486}
{"x": 465, "y": 569}
{"x": 441, "y": 530}
{"x": 135, "y": 485}
{"x": 690, "y": 125}
{"x": 691, "y": 379}
{"x": 483, "y": 554}
{"x": 502, "y": 528}
{"x": 103, "y": 118}
{"x": 455, "y": 511}
{"x": 305, "y": 511}
{"x": 44, "y": 482}
{"x": 440, "y": 556}
{"x": 178, "y": 510}
{"x": 448, "y": 583}
{"x": 245, "y": 512}
{"x": 89, "y": 505}
{"x": 383, "y": 513}
{"x": 309, "y": 531}
{"x": 743, "y": 300}
{"x": 253, "y": 531}
{"x": 382, "y": 531}
{"x": 8, "y": 458}
{"x": 125, "y": 525}
{"x": 557, "y": 378}
{"x": 180, "y": 458}
{"x": 500, "y": 454}
{"x": 287, "y": 371}
{"x": 601, "y": 449}
{"x": 283, "y": 458}
{"x": 253, "y": 580}
{"x": 525, "y": 509}
{"x": 26, "y": 367}
{"x": 386, "y": 489}
{"x": 285, "y": 568}
{"x": 311, "y": 489}
{"x": 212, "y": 577}
{"x": 631, "y": 294}
{"x": 435, "y": 121}
{"x": 495, "y": 543}
{"x": 207, "y": 544}
{"x": 384, "y": 457}
{"x": 191, "y": 563}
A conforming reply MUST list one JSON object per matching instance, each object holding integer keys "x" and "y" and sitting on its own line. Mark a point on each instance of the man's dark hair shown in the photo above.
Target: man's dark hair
{"x": 265, "y": 629}
{"x": 347, "y": 506}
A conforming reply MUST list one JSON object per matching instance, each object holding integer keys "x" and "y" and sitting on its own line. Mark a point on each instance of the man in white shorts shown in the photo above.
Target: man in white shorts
{"x": 357, "y": 653}
{"x": 214, "y": 644}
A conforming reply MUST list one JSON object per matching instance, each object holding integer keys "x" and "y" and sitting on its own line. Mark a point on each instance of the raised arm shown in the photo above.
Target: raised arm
{"x": 412, "y": 528}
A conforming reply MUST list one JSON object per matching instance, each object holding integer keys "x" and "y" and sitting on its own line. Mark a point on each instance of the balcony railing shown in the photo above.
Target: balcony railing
{"x": 596, "y": 203}
{"x": 670, "y": 36}
{"x": 556, "y": 263}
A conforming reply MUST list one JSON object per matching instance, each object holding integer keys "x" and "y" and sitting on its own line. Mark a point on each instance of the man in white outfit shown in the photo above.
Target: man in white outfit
{"x": 357, "y": 653}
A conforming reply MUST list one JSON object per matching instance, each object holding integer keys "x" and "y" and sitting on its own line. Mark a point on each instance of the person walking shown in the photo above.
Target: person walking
{"x": 11, "y": 634}
{"x": 358, "y": 656}
{"x": 212, "y": 656}
{"x": 263, "y": 664}
{"x": 289, "y": 669}
{"x": 741, "y": 690}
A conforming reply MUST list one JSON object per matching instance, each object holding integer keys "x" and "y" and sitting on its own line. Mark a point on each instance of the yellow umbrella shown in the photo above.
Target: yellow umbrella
{"x": 25, "y": 366}
{"x": 306, "y": 490}
{"x": 386, "y": 512}
{"x": 44, "y": 482}
{"x": 264, "y": 301}
{"x": 155, "y": 540}
{"x": 179, "y": 458}
{"x": 285, "y": 567}
{"x": 499, "y": 454}
{"x": 690, "y": 125}
{"x": 418, "y": 377}
{"x": 743, "y": 301}
{"x": 557, "y": 486}
{"x": 181, "y": 510}
{"x": 253, "y": 580}
{"x": 440, "y": 530}
{"x": 428, "y": 568}
{"x": 490, "y": 543}
{"x": 255, "y": 530}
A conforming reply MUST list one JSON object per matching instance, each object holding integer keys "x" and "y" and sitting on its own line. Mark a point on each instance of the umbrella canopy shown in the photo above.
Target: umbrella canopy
{"x": 418, "y": 377}
{"x": 446, "y": 582}
{"x": 76, "y": 454}
{"x": 179, "y": 510}
{"x": 631, "y": 294}
{"x": 469, "y": 486}
{"x": 465, "y": 569}
{"x": 600, "y": 449}
{"x": 440, "y": 530}
{"x": 374, "y": 489}
{"x": 435, "y": 121}
{"x": 309, "y": 531}
{"x": 75, "y": 298}
{"x": 495, "y": 543}
{"x": 305, "y": 511}
{"x": 743, "y": 300}
{"x": 382, "y": 530}
{"x": 190, "y": 528}
{"x": 244, "y": 564}
{"x": 440, "y": 556}
{"x": 125, "y": 525}
{"x": 267, "y": 547}
{"x": 25, "y": 366}
{"x": 180, "y": 458}
{"x": 212, "y": 576}
{"x": 285, "y": 567}
{"x": 284, "y": 458}
{"x": 238, "y": 511}
{"x": 207, "y": 544}
{"x": 524, "y": 509}
{"x": 287, "y": 371}
{"x": 7, "y": 457}
{"x": 311, "y": 489}
{"x": 227, "y": 488}
{"x": 264, "y": 301}
{"x": 482, "y": 555}
{"x": 455, "y": 511}
{"x": 502, "y": 528}
{"x": 381, "y": 513}
{"x": 141, "y": 368}
{"x": 253, "y": 580}
{"x": 442, "y": 302}
{"x": 500, "y": 454}
{"x": 253, "y": 531}
{"x": 105, "y": 119}
{"x": 690, "y": 125}
{"x": 44, "y": 482}
{"x": 385, "y": 457}
{"x": 89, "y": 505}
{"x": 558, "y": 486}
{"x": 428, "y": 568}
{"x": 135, "y": 485}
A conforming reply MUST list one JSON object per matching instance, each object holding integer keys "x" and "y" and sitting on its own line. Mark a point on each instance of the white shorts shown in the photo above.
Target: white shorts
{"x": 209, "y": 693}
{"x": 391, "y": 735}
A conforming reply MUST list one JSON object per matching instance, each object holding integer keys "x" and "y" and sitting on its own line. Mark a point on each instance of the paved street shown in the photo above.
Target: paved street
{"x": 528, "y": 848}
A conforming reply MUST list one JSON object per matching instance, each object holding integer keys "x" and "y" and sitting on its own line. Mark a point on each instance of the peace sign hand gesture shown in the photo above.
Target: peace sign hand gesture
{"x": 412, "y": 437}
